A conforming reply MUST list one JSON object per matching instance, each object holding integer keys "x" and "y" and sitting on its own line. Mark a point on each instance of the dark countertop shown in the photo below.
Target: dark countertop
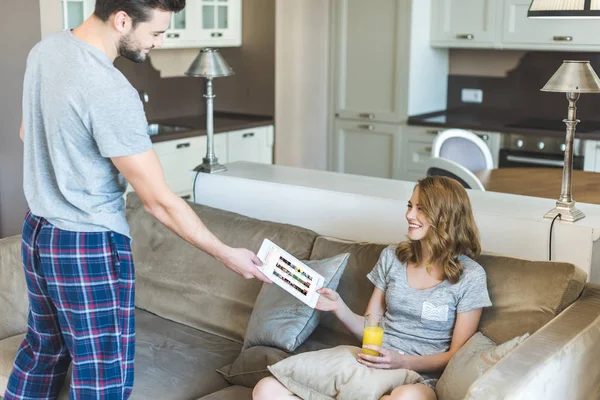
{"x": 505, "y": 121}
{"x": 223, "y": 122}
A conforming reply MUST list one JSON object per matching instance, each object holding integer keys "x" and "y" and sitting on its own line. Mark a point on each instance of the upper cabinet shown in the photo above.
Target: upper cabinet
{"x": 202, "y": 23}
{"x": 463, "y": 23}
{"x": 206, "y": 23}
{"x": 520, "y": 32}
{"x": 382, "y": 69}
{"x": 503, "y": 24}
{"x": 74, "y": 12}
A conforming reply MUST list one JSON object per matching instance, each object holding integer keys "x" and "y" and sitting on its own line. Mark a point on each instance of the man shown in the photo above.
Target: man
{"x": 84, "y": 131}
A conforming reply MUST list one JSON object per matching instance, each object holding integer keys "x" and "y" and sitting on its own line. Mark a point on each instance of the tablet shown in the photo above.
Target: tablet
{"x": 289, "y": 273}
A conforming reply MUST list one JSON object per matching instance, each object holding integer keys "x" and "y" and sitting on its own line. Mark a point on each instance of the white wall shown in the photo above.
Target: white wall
{"x": 301, "y": 82}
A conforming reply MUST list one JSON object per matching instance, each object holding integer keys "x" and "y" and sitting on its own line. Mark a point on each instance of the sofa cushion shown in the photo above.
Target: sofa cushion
{"x": 195, "y": 289}
{"x": 526, "y": 294}
{"x": 172, "y": 361}
{"x": 13, "y": 289}
{"x": 283, "y": 321}
{"x": 470, "y": 362}
{"x": 230, "y": 393}
{"x": 354, "y": 288}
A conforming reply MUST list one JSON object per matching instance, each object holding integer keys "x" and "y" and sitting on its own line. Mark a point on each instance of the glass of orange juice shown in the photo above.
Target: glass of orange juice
{"x": 373, "y": 333}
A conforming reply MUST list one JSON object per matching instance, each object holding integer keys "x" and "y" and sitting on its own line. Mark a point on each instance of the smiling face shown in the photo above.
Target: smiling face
{"x": 418, "y": 225}
{"x": 136, "y": 43}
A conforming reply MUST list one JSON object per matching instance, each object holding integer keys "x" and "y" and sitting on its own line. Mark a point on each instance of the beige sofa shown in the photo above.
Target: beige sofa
{"x": 192, "y": 313}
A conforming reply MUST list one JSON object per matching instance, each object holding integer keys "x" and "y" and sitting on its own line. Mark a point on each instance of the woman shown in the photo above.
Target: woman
{"x": 429, "y": 288}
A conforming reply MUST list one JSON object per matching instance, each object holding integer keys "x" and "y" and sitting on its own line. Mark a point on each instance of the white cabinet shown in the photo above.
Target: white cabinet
{"x": 591, "y": 161}
{"x": 367, "y": 148}
{"x": 206, "y": 23}
{"x": 383, "y": 69}
{"x": 463, "y": 23}
{"x": 416, "y": 146}
{"x": 503, "y": 24}
{"x": 521, "y": 32}
{"x": 366, "y": 57}
{"x": 74, "y": 12}
{"x": 255, "y": 145}
{"x": 178, "y": 157}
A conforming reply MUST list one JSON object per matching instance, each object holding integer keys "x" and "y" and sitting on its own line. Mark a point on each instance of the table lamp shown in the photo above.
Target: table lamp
{"x": 572, "y": 78}
{"x": 208, "y": 65}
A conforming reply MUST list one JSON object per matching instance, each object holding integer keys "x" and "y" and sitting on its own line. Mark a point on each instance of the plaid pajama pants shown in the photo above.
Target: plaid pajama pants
{"x": 81, "y": 295}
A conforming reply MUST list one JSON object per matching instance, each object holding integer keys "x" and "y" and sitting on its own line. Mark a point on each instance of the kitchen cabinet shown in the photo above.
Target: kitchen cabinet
{"x": 179, "y": 157}
{"x": 202, "y": 23}
{"x": 367, "y": 148}
{"x": 382, "y": 70}
{"x": 255, "y": 145}
{"x": 503, "y": 24}
{"x": 416, "y": 145}
{"x": 206, "y": 23}
{"x": 74, "y": 12}
{"x": 591, "y": 161}
{"x": 520, "y": 32}
{"x": 463, "y": 23}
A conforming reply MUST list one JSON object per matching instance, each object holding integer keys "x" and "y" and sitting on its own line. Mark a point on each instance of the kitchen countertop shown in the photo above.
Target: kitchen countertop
{"x": 223, "y": 122}
{"x": 505, "y": 121}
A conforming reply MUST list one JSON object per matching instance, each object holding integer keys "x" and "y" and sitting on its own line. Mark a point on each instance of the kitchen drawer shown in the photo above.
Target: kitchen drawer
{"x": 419, "y": 154}
{"x": 181, "y": 146}
{"x": 255, "y": 145}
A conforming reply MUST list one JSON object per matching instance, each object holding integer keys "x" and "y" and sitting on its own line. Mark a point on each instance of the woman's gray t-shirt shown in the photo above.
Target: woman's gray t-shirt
{"x": 421, "y": 321}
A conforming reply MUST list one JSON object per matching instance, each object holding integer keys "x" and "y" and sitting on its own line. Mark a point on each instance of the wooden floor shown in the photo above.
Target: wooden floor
{"x": 541, "y": 182}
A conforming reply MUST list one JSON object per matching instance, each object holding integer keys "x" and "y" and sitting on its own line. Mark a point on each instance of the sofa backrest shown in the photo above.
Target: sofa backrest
{"x": 13, "y": 289}
{"x": 178, "y": 282}
{"x": 525, "y": 294}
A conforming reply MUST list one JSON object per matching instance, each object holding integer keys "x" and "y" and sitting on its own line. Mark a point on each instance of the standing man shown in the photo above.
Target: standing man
{"x": 84, "y": 131}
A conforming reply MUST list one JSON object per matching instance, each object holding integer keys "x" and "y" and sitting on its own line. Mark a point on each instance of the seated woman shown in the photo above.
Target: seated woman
{"x": 429, "y": 288}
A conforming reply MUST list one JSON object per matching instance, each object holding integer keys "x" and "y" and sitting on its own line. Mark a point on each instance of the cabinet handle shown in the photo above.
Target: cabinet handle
{"x": 183, "y": 145}
{"x": 172, "y": 35}
{"x": 186, "y": 197}
{"x": 435, "y": 133}
{"x": 246, "y": 135}
{"x": 562, "y": 38}
{"x": 367, "y": 127}
{"x": 367, "y": 115}
{"x": 484, "y": 137}
{"x": 216, "y": 34}
{"x": 428, "y": 149}
{"x": 465, "y": 36}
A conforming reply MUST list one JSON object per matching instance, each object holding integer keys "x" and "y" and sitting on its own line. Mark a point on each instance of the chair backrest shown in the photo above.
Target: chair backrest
{"x": 443, "y": 167}
{"x": 463, "y": 147}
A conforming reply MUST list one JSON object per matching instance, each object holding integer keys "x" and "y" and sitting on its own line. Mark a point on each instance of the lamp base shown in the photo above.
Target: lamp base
{"x": 567, "y": 210}
{"x": 210, "y": 166}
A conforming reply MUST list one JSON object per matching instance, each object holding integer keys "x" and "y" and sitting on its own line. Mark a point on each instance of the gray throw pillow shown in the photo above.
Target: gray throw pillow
{"x": 282, "y": 321}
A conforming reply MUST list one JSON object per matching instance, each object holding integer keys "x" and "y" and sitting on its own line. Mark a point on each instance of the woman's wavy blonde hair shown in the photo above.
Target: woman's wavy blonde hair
{"x": 453, "y": 231}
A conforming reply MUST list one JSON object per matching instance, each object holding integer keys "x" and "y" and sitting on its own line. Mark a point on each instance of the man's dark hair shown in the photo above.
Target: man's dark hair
{"x": 138, "y": 10}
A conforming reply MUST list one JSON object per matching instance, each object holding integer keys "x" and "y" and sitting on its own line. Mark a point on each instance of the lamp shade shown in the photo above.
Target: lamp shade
{"x": 209, "y": 64}
{"x": 574, "y": 77}
{"x": 564, "y": 9}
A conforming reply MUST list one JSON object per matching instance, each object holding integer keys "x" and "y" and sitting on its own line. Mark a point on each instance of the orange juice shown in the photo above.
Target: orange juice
{"x": 372, "y": 335}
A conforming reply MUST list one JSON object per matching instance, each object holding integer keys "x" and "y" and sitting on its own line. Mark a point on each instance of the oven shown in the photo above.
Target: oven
{"x": 531, "y": 151}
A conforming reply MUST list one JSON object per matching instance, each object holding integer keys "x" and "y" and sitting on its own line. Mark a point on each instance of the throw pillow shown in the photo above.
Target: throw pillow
{"x": 336, "y": 374}
{"x": 476, "y": 356}
{"x": 251, "y": 365}
{"x": 282, "y": 321}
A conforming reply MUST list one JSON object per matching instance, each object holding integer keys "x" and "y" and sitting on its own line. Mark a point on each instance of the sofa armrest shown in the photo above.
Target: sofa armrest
{"x": 560, "y": 361}
{"x": 14, "y": 303}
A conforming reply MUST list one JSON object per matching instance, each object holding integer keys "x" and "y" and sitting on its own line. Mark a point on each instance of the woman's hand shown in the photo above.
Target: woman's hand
{"x": 329, "y": 300}
{"x": 389, "y": 359}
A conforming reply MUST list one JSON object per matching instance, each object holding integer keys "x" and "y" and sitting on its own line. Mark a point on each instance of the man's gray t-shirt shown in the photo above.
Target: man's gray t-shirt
{"x": 421, "y": 321}
{"x": 78, "y": 111}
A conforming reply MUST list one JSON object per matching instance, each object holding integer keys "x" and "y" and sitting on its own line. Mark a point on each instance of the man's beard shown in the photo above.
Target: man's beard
{"x": 128, "y": 49}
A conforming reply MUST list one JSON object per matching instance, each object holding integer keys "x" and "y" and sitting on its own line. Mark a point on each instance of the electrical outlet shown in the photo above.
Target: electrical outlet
{"x": 471, "y": 96}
